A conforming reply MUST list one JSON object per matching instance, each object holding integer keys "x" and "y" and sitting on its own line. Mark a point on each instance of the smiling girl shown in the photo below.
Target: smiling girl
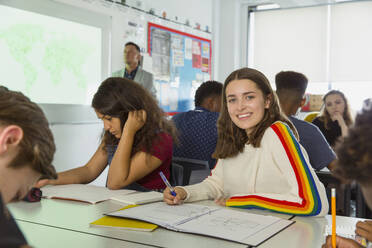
{"x": 137, "y": 140}
{"x": 260, "y": 162}
{"x": 335, "y": 118}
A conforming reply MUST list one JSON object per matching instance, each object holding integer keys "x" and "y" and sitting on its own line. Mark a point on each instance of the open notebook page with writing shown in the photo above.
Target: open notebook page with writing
{"x": 213, "y": 221}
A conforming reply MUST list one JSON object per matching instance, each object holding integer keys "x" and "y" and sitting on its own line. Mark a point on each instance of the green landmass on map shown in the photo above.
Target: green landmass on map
{"x": 60, "y": 52}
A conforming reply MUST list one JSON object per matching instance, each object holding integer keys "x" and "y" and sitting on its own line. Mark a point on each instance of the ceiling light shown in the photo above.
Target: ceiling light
{"x": 268, "y": 6}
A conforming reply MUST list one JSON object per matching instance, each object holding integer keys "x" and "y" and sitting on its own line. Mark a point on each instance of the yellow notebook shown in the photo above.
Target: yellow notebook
{"x": 121, "y": 223}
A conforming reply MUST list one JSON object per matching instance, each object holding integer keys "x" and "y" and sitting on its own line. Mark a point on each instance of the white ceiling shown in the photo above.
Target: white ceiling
{"x": 291, "y": 3}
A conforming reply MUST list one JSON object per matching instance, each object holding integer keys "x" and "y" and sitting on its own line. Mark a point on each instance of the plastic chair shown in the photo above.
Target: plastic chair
{"x": 176, "y": 177}
{"x": 362, "y": 210}
{"x": 182, "y": 169}
{"x": 343, "y": 192}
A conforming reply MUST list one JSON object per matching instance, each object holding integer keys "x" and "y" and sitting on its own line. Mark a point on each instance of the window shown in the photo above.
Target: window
{"x": 329, "y": 44}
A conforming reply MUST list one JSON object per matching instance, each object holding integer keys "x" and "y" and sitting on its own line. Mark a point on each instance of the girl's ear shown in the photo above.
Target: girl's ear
{"x": 10, "y": 136}
{"x": 268, "y": 101}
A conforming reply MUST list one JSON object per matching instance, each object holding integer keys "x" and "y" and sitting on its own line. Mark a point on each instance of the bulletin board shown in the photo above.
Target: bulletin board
{"x": 180, "y": 63}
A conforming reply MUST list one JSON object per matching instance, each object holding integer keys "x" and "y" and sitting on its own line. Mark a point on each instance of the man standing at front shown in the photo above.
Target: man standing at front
{"x": 133, "y": 70}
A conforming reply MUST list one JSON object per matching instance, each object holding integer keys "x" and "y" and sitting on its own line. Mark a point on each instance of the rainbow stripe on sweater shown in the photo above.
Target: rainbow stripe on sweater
{"x": 307, "y": 190}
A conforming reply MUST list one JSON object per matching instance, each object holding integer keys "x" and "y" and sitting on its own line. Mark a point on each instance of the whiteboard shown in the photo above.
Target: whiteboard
{"x": 51, "y": 55}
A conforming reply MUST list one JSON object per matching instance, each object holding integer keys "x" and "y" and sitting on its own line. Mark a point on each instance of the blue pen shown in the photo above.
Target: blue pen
{"x": 167, "y": 183}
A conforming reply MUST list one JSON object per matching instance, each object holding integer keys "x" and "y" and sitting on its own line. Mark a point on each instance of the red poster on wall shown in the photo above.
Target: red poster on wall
{"x": 196, "y": 54}
{"x": 205, "y": 65}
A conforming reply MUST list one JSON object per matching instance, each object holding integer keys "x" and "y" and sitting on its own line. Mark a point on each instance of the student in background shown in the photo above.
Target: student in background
{"x": 355, "y": 163}
{"x": 290, "y": 88}
{"x": 260, "y": 163}
{"x": 137, "y": 140}
{"x": 335, "y": 118}
{"x": 197, "y": 128}
{"x": 26, "y": 153}
{"x": 133, "y": 69}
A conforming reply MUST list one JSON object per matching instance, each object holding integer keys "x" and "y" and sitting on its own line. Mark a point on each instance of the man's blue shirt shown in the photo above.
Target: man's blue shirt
{"x": 197, "y": 134}
{"x": 130, "y": 75}
{"x": 312, "y": 139}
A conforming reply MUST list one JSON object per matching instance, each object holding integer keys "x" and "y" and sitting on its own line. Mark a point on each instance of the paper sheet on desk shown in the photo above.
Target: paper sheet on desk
{"x": 343, "y": 231}
{"x": 235, "y": 225}
{"x": 139, "y": 197}
{"x": 165, "y": 215}
{"x": 345, "y": 227}
{"x": 82, "y": 192}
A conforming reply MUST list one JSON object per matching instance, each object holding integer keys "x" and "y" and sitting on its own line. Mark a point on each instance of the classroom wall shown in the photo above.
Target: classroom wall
{"x": 229, "y": 36}
{"x": 201, "y": 14}
{"x": 201, "y": 11}
{"x": 76, "y": 129}
{"x": 77, "y": 134}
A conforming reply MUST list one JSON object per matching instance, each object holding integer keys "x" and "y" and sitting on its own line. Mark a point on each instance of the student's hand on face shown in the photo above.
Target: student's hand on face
{"x": 338, "y": 117}
{"x": 341, "y": 243}
{"x": 42, "y": 183}
{"x": 174, "y": 200}
{"x": 364, "y": 229}
{"x": 136, "y": 120}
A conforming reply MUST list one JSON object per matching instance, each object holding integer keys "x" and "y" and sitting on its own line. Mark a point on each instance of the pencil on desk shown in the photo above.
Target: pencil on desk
{"x": 333, "y": 210}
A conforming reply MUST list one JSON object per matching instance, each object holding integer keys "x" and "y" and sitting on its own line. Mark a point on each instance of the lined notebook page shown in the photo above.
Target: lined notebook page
{"x": 345, "y": 227}
{"x": 343, "y": 231}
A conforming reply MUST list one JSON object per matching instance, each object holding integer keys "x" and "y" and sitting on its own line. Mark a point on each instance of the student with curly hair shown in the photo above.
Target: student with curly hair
{"x": 335, "y": 119}
{"x": 137, "y": 140}
{"x": 260, "y": 162}
{"x": 355, "y": 163}
{"x": 26, "y": 153}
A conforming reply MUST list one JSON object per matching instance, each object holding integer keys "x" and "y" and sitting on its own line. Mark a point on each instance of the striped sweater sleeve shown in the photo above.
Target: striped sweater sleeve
{"x": 311, "y": 192}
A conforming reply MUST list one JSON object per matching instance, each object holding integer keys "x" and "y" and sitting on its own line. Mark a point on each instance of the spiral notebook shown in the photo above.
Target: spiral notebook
{"x": 213, "y": 221}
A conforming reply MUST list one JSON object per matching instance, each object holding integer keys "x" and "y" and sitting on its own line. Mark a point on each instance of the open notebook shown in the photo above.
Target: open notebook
{"x": 224, "y": 223}
{"x": 94, "y": 194}
{"x": 139, "y": 197}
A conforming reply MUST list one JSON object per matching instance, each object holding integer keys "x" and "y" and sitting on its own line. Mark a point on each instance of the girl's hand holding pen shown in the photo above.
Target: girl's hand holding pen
{"x": 174, "y": 200}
